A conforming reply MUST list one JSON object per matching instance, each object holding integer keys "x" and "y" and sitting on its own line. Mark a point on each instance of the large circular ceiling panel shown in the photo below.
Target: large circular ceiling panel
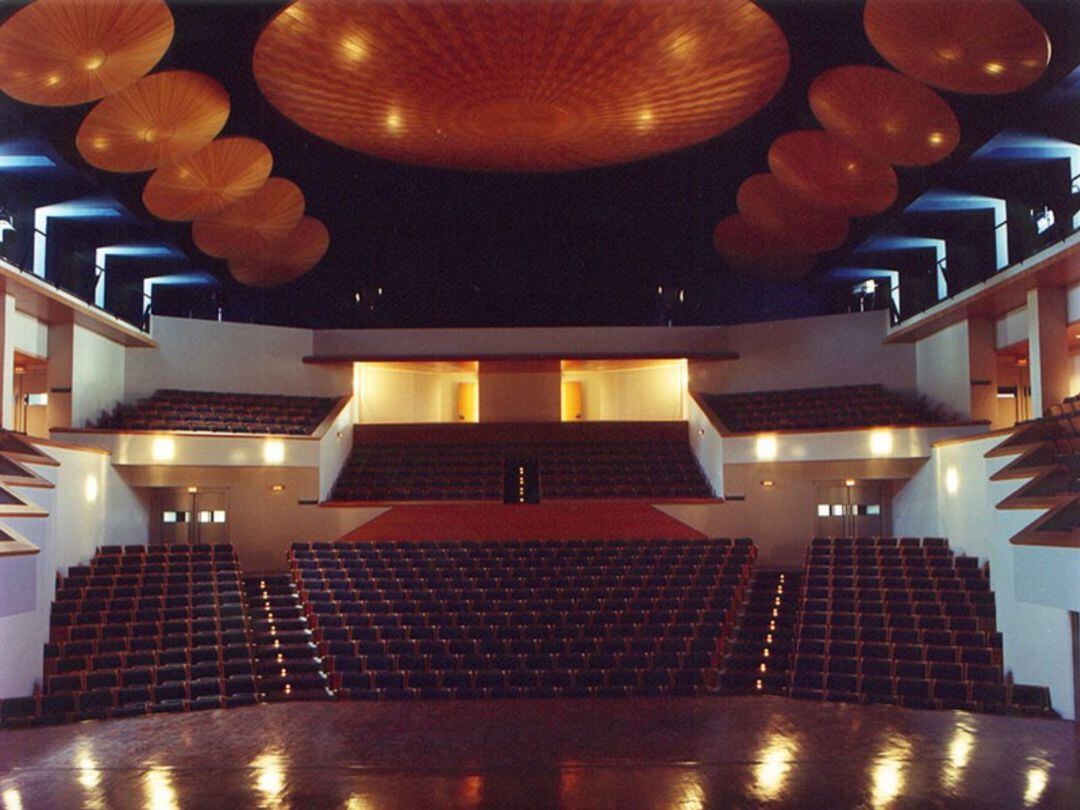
{"x": 827, "y": 172}
{"x": 778, "y": 212}
{"x": 885, "y": 114}
{"x": 161, "y": 118}
{"x": 286, "y": 260}
{"x": 249, "y": 227}
{"x": 756, "y": 255}
{"x": 968, "y": 46}
{"x": 532, "y": 85}
{"x": 60, "y": 52}
{"x": 219, "y": 174}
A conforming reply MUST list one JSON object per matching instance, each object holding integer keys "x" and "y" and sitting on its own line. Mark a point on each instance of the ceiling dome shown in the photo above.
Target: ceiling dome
{"x": 219, "y": 174}
{"x": 61, "y": 52}
{"x": 967, "y": 46}
{"x": 531, "y": 85}
{"x": 885, "y": 114}
{"x": 159, "y": 119}
{"x": 286, "y": 260}
{"x": 756, "y": 255}
{"x": 827, "y": 172}
{"x": 777, "y": 212}
{"x": 252, "y": 225}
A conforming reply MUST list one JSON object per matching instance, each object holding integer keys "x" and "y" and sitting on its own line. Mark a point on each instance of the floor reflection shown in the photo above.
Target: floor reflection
{"x": 889, "y": 770}
{"x": 158, "y": 789}
{"x": 576, "y": 755}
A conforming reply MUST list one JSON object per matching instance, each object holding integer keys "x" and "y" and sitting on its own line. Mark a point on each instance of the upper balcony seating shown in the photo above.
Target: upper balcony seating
{"x": 215, "y": 412}
{"x": 887, "y": 620}
{"x": 837, "y": 407}
{"x": 481, "y": 619}
{"x": 653, "y": 468}
{"x": 145, "y": 629}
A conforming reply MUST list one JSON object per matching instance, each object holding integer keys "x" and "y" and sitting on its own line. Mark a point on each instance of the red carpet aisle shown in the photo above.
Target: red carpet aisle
{"x": 593, "y": 520}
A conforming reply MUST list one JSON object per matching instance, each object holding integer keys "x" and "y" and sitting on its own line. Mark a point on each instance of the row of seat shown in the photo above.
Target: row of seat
{"x": 477, "y": 629}
{"x": 869, "y": 627}
{"x": 628, "y": 469}
{"x": 818, "y": 408}
{"x": 221, "y": 412}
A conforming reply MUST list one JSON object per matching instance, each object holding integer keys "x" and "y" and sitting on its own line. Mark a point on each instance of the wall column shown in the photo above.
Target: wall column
{"x": 58, "y": 374}
{"x": 7, "y": 363}
{"x": 1048, "y": 347}
{"x": 982, "y": 359}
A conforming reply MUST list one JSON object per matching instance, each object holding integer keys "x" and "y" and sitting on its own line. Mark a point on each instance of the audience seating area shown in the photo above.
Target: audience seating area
{"x": 176, "y": 628}
{"x": 215, "y": 412}
{"x": 901, "y": 621}
{"x": 421, "y": 472}
{"x": 567, "y": 470}
{"x": 837, "y": 407}
{"x": 144, "y": 629}
{"x": 478, "y": 619}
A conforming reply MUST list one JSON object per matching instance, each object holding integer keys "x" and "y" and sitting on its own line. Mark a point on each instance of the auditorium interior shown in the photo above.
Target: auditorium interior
{"x": 547, "y": 403}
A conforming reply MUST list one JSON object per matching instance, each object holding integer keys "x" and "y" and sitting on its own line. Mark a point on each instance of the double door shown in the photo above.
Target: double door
{"x": 860, "y": 509}
{"x": 191, "y": 515}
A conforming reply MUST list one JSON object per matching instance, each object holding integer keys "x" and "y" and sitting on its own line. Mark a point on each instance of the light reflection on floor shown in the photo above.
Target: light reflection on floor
{"x": 674, "y": 753}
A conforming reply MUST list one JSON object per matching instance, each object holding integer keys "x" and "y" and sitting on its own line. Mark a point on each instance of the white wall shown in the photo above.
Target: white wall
{"x": 29, "y": 335}
{"x": 1037, "y": 637}
{"x": 334, "y": 449}
{"x": 944, "y": 368}
{"x": 707, "y": 445}
{"x": 89, "y": 506}
{"x": 842, "y": 349}
{"x": 392, "y": 394}
{"x": 199, "y": 450}
{"x": 202, "y": 355}
{"x": 558, "y": 342}
{"x": 97, "y": 376}
{"x": 1010, "y": 328}
{"x": 900, "y": 442}
{"x": 1072, "y": 303}
{"x": 653, "y": 392}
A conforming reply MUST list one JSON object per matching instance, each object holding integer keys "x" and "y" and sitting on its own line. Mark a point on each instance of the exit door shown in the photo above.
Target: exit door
{"x": 189, "y": 516}
{"x": 855, "y": 510}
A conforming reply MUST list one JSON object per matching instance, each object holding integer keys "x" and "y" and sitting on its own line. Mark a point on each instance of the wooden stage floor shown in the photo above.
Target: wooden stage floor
{"x": 633, "y": 753}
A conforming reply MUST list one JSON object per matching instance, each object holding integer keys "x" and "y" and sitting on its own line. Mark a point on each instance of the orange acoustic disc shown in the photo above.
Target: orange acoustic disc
{"x": 249, "y": 227}
{"x": 885, "y": 114}
{"x": 159, "y": 119}
{"x": 780, "y": 213}
{"x": 529, "y": 85}
{"x": 829, "y": 173}
{"x": 286, "y": 260}
{"x": 221, "y": 173}
{"x": 60, "y": 52}
{"x": 967, "y": 46}
{"x": 756, "y": 255}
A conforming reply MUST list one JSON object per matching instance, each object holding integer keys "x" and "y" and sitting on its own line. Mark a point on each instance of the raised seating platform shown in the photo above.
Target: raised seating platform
{"x": 884, "y": 620}
{"x": 513, "y": 619}
{"x": 217, "y": 412}
{"x": 608, "y": 460}
{"x": 144, "y": 630}
{"x": 836, "y": 407}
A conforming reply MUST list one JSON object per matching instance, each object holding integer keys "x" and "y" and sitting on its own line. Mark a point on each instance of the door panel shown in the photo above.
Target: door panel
{"x": 188, "y": 518}
{"x": 852, "y": 511}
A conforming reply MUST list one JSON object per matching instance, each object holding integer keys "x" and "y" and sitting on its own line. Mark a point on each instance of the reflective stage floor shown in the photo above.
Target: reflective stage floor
{"x": 633, "y": 753}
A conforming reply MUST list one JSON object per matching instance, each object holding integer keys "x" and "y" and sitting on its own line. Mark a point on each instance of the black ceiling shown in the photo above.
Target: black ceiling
{"x": 453, "y": 248}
